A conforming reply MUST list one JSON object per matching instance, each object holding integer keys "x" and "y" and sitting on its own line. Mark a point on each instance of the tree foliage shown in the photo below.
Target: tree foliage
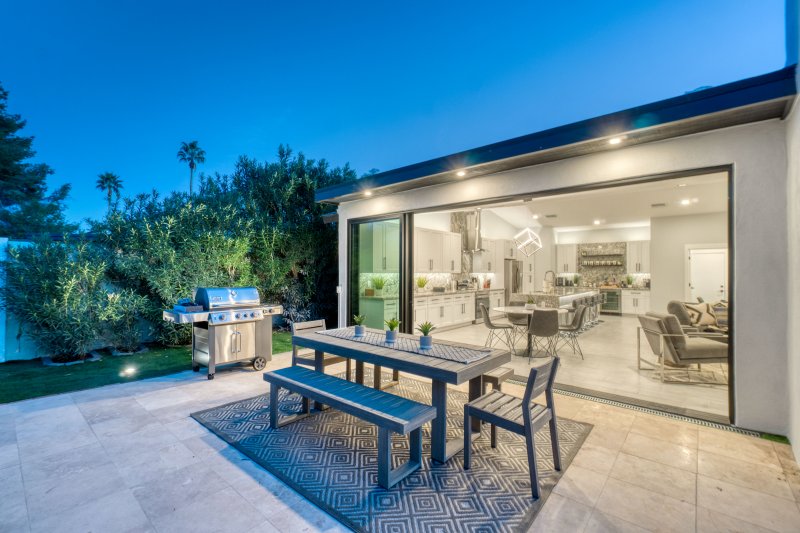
{"x": 25, "y": 206}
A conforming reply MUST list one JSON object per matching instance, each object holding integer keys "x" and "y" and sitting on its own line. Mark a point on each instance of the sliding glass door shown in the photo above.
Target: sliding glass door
{"x": 375, "y": 266}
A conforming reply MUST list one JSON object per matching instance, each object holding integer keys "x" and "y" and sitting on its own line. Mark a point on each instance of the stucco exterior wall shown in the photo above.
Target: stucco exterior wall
{"x": 757, "y": 153}
{"x": 793, "y": 206}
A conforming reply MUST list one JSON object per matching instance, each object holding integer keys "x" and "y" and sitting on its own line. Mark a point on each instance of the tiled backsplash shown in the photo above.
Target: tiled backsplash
{"x": 599, "y": 252}
{"x": 391, "y": 286}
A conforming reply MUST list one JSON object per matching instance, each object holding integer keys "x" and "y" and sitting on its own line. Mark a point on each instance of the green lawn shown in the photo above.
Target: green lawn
{"x": 20, "y": 380}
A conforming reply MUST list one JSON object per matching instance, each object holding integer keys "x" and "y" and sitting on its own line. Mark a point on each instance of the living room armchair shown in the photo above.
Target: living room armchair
{"x": 675, "y": 348}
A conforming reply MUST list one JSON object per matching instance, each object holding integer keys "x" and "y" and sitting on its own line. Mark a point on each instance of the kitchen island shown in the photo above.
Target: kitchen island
{"x": 557, "y": 297}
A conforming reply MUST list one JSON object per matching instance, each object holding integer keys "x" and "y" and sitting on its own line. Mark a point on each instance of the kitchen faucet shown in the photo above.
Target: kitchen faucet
{"x": 551, "y": 280}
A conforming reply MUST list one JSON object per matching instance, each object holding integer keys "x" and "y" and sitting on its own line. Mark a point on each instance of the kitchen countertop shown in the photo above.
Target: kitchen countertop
{"x": 428, "y": 294}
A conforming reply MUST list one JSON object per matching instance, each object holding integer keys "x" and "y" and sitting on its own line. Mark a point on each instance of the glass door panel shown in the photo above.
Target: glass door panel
{"x": 375, "y": 252}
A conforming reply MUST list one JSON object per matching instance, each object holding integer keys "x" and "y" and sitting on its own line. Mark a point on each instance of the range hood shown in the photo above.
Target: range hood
{"x": 472, "y": 236}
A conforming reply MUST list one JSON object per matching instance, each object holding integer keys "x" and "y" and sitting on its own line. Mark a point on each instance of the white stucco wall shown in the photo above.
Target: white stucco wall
{"x": 668, "y": 239}
{"x": 793, "y": 261}
{"x": 604, "y": 235}
{"x": 758, "y": 155}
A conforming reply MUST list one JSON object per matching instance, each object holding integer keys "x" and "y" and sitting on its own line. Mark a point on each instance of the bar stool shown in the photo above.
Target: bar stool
{"x": 496, "y": 377}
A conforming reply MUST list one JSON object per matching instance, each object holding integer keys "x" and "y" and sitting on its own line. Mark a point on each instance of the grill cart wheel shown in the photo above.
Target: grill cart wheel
{"x": 259, "y": 363}
{"x": 211, "y": 376}
{"x": 195, "y": 368}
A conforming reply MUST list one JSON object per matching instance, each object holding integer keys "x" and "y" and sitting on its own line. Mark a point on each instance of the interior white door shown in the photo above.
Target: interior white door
{"x": 708, "y": 274}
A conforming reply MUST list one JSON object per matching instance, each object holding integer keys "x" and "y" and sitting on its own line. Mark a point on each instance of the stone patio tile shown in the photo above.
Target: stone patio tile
{"x": 153, "y": 463}
{"x": 657, "y": 477}
{"x": 581, "y": 484}
{"x": 596, "y": 458}
{"x": 101, "y": 410}
{"x": 709, "y": 521}
{"x": 661, "y": 452}
{"x": 223, "y": 511}
{"x": 658, "y": 427}
{"x": 742, "y": 447}
{"x": 147, "y": 437}
{"x": 645, "y": 508}
{"x": 605, "y": 523}
{"x": 762, "y": 478}
{"x": 118, "y": 512}
{"x": 186, "y": 428}
{"x": 607, "y": 416}
{"x": 167, "y": 493}
{"x": 748, "y": 505}
{"x": 610, "y": 438}
{"x": 66, "y": 463}
{"x": 13, "y": 508}
{"x": 561, "y": 514}
{"x": 47, "y": 434}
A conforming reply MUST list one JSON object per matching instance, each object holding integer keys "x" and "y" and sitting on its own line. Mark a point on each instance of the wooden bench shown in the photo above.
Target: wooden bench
{"x": 391, "y": 413}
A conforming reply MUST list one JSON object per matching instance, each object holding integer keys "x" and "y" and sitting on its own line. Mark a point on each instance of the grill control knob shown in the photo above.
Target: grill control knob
{"x": 238, "y": 316}
{"x": 252, "y": 315}
{"x": 220, "y": 317}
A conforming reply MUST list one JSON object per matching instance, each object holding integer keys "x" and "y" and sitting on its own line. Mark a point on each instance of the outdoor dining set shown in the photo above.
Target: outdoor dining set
{"x": 445, "y": 363}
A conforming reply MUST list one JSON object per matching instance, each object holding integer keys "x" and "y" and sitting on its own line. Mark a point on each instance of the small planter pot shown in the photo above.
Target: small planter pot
{"x": 425, "y": 342}
{"x": 391, "y": 336}
{"x": 360, "y": 331}
{"x": 530, "y": 307}
{"x": 378, "y": 292}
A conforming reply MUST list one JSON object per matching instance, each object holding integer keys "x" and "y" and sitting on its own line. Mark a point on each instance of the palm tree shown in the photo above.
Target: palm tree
{"x": 191, "y": 153}
{"x": 110, "y": 184}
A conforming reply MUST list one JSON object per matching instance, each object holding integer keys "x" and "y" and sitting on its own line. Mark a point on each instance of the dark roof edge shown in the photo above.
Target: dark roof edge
{"x": 777, "y": 84}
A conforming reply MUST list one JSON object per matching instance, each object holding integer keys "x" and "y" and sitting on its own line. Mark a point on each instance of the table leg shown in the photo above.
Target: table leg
{"x": 319, "y": 367}
{"x": 475, "y": 392}
{"x": 530, "y": 344}
{"x": 376, "y": 376}
{"x": 360, "y": 372}
{"x": 439, "y": 424}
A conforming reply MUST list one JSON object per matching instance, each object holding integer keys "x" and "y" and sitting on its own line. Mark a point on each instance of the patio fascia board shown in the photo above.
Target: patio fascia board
{"x": 754, "y": 99}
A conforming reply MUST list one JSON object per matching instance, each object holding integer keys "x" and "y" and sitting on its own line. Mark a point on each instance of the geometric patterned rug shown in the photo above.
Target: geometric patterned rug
{"x": 330, "y": 458}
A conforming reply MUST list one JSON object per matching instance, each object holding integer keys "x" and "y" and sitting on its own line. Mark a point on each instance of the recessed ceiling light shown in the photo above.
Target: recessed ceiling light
{"x": 461, "y": 173}
{"x": 681, "y": 185}
{"x": 597, "y": 222}
{"x": 686, "y": 201}
{"x": 367, "y": 193}
{"x": 535, "y": 217}
{"x": 615, "y": 140}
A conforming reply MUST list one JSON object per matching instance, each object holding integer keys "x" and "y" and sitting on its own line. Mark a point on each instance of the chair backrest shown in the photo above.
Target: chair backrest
{"x": 304, "y": 327}
{"x": 578, "y": 317}
{"x": 541, "y": 379}
{"x": 654, "y": 330}
{"x": 679, "y": 310}
{"x": 584, "y": 316}
{"x": 486, "y": 320}
{"x": 544, "y": 323}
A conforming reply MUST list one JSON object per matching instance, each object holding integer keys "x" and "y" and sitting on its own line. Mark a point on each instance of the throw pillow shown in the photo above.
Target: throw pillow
{"x": 701, "y": 314}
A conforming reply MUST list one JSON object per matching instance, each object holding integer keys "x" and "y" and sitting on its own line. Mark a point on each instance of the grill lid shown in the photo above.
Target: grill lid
{"x": 226, "y": 297}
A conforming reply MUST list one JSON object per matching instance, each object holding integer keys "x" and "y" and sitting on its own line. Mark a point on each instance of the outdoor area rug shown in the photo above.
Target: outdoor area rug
{"x": 330, "y": 458}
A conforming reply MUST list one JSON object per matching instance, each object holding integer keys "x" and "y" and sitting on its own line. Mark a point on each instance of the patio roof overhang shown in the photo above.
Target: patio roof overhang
{"x": 754, "y": 99}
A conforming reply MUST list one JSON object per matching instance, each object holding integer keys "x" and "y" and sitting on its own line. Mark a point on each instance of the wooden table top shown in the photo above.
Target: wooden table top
{"x": 453, "y": 372}
{"x": 520, "y": 310}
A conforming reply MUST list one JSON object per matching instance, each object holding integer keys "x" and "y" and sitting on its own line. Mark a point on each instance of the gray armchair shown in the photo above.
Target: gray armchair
{"x": 673, "y": 347}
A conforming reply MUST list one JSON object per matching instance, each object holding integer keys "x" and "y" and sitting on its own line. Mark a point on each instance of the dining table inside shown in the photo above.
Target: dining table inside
{"x": 522, "y": 310}
{"x": 441, "y": 371}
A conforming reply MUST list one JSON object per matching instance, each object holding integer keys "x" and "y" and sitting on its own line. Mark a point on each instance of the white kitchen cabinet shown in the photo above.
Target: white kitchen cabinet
{"x": 420, "y": 311}
{"x": 428, "y": 250}
{"x": 497, "y": 298}
{"x": 485, "y": 261}
{"x": 444, "y": 310}
{"x": 527, "y": 275}
{"x": 510, "y": 250}
{"x": 377, "y": 310}
{"x": 386, "y": 247}
{"x": 638, "y": 257}
{"x": 566, "y": 258}
{"x": 452, "y": 253}
{"x": 635, "y": 302}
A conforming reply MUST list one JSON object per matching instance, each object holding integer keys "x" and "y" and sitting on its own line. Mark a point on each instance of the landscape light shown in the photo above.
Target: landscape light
{"x": 615, "y": 140}
{"x": 367, "y": 193}
{"x": 461, "y": 173}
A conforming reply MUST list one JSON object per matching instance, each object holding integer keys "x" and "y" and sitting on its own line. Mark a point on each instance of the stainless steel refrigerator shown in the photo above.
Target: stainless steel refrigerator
{"x": 513, "y": 278}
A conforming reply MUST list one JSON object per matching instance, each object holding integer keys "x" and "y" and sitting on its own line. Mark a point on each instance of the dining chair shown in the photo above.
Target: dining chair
{"x": 522, "y": 416}
{"x": 543, "y": 325}
{"x": 300, "y": 357}
{"x": 568, "y": 334}
{"x": 502, "y": 333}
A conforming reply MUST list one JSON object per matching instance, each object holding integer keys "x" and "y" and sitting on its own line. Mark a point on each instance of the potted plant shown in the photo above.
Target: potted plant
{"x": 530, "y": 304}
{"x": 425, "y": 340}
{"x": 422, "y": 281}
{"x": 378, "y": 282}
{"x": 577, "y": 280}
{"x": 359, "y": 322}
{"x": 629, "y": 280}
{"x": 391, "y": 333}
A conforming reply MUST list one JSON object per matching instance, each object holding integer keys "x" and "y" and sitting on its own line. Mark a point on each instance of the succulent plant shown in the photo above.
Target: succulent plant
{"x": 392, "y": 324}
{"x": 359, "y": 320}
{"x": 425, "y": 328}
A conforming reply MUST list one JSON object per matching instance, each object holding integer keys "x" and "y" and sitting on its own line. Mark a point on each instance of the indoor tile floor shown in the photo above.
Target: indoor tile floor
{"x": 128, "y": 458}
{"x": 609, "y": 366}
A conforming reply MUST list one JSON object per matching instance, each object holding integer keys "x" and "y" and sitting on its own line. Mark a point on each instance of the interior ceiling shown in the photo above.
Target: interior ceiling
{"x": 629, "y": 205}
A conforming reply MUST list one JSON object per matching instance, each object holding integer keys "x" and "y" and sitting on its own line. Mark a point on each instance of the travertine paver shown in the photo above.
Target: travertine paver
{"x": 128, "y": 458}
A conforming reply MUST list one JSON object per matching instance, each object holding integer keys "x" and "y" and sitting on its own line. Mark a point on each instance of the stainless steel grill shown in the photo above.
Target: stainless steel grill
{"x": 228, "y": 326}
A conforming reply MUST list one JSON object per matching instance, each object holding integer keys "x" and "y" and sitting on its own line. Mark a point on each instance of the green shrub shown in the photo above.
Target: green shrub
{"x": 56, "y": 291}
{"x": 122, "y": 317}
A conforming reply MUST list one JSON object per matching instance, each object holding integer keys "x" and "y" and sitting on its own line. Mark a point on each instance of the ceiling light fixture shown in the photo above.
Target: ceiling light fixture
{"x": 597, "y": 222}
{"x": 528, "y": 242}
{"x": 535, "y": 217}
{"x": 686, "y": 201}
{"x": 461, "y": 173}
{"x": 615, "y": 140}
{"x": 681, "y": 185}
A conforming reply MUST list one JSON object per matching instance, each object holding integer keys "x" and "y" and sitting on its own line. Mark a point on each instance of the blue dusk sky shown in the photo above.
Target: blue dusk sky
{"x": 116, "y": 86}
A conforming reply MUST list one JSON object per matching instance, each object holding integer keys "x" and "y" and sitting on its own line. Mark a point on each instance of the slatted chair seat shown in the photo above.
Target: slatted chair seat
{"x": 391, "y": 413}
{"x": 496, "y": 377}
{"x": 519, "y": 415}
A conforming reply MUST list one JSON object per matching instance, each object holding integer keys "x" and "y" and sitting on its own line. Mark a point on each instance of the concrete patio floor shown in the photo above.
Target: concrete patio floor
{"x": 128, "y": 458}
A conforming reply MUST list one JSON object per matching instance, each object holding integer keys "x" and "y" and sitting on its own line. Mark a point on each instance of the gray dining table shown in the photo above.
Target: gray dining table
{"x": 441, "y": 372}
